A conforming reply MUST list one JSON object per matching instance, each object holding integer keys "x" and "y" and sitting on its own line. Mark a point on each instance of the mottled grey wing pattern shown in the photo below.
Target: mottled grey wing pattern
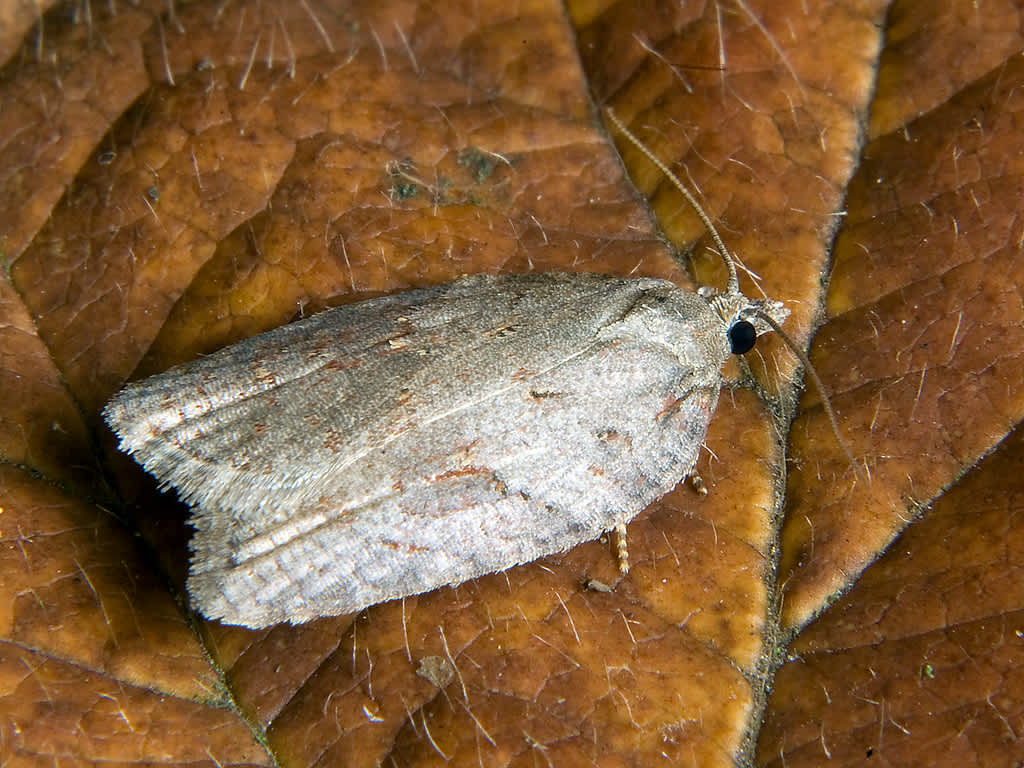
{"x": 393, "y": 446}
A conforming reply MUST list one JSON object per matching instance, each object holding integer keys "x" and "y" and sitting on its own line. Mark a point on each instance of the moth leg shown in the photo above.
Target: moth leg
{"x": 622, "y": 548}
{"x": 698, "y": 483}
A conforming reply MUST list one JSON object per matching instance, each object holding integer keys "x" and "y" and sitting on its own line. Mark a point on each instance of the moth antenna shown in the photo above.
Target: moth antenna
{"x": 813, "y": 373}
{"x": 734, "y": 283}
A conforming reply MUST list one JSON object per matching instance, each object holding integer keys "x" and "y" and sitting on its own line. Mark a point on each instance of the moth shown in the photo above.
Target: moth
{"x": 390, "y": 447}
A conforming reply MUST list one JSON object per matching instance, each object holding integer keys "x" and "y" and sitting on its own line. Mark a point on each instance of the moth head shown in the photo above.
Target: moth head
{"x": 743, "y": 318}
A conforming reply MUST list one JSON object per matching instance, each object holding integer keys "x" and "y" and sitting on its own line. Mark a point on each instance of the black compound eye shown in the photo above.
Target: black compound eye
{"x": 742, "y": 336}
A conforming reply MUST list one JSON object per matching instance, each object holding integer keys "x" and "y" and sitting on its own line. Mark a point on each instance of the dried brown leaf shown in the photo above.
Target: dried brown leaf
{"x": 178, "y": 178}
